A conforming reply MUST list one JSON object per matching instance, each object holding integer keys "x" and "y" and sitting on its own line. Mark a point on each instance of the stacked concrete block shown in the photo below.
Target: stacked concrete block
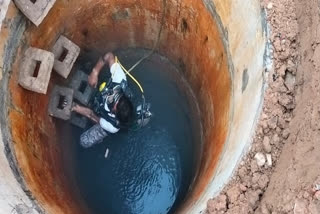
{"x": 35, "y": 10}
{"x": 35, "y": 70}
{"x": 60, "y": 104}
{"x": 66, "y": 53}
{"x": 3, "y": 10}
{"x": 82, "y": 90}
{"x": 78, "y": 120}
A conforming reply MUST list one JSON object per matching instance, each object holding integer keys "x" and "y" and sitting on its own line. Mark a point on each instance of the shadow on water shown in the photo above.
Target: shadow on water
{"x": 147, "y": 171}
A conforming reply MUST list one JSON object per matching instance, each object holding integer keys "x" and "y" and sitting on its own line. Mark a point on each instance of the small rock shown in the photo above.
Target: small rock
{"x": 287, "y": 101}
{"x": 272, "y": 123}
{"x": 253, "y": 198}
{"x": 284, "y": 54}
{"x": 269, "y": 160}
{"x": 300, "y": 207}
{"x": 277, "y": 44}
{"x": 264, "y": 116}
{"x": 264, "y": 124}
{"x": 256, "y": 178}
{"x": 282, "y": 70}
{"x": 317, "y": 184}
{"x": 233, "y": 194}
{"x": 241, "y": 198}
{"x": 289, "y": 81}
{"x": 248, "y": 181}
{"x": 261, "y": 160}
{"x": 285, "y": 134}
{"x": 317, "y": 195}
{"x": 278, "y": 130}
{"x": 282, "y": 123}
{"x": 254, "y": 166}
{"x": 218, "y": 204}
{"x": 275, "y": 139}
{"x": 306, "y": 195}
{"x": 266, "y": 144}
{"x": 316, "y": 187}
{"x": 242, "y": 172}
{"x": 291, "y": 67}
{"x": 269, "y": 6}
{"x": 287, "y": 207}
{"x": 263, "y": 181}
{"x": 243, "y": 188}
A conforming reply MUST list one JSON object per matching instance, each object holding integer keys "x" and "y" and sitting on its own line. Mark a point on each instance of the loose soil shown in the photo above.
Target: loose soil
{"x": 282, "y": 168}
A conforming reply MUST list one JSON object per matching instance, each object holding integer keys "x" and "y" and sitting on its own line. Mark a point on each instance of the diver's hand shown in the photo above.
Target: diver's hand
{"x": 86, "y": 112}
{"x": 76, "y": 108}
{"x": 93, "y": 79}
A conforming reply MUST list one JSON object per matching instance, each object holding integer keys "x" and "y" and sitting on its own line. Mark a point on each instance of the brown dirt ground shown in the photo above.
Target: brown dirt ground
{"x": 289, "y": 128}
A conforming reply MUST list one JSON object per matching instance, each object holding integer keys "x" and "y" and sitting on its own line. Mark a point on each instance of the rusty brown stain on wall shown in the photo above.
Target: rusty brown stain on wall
{"x": 190, "y": 36}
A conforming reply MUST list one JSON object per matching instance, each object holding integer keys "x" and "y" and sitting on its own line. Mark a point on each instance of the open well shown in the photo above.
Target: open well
{"x": 196, "y": 43}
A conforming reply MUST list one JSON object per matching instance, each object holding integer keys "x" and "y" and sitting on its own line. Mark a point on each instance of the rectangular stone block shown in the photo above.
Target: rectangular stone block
{"x": 35, "y": 10}
{"x": 35, "y": 70}
{"x": 65, "y": 53}
{"x": 61, "y": 102}
{"x": 78, "y": 120}
{"x": 82, "y": 90}
{"x": 3, "y": 10}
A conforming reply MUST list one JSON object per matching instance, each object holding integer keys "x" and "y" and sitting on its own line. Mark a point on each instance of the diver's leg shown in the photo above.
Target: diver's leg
{"x": 93, "y": 136}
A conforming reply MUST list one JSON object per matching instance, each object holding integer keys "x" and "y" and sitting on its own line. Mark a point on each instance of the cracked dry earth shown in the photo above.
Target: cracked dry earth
{"x": 281, "y": 171}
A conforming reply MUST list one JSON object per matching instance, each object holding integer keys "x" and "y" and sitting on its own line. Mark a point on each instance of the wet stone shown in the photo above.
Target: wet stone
{"x": 61, "y": 103}
{"x": 35, "y": 10}
{"x": 66, "y": 53}
{"x": 82, "y": 90}
{"x": 35, "y": 70}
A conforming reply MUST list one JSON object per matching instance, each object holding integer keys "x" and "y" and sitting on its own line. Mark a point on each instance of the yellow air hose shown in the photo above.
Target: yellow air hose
{"x": 130, "y": 75}
{"x": 146, "y": 56}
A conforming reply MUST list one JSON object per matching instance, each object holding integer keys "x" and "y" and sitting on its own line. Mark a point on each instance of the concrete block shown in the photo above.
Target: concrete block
{"x": 82, "y": 90}
{"x": 35, "y": 10}
{"x": 78, "y": 120}
{"x": 35, "y": 70}
{"x": 61, "y": 102}
{"x": 65, "y": 53}
{"x": 3, "y": 10}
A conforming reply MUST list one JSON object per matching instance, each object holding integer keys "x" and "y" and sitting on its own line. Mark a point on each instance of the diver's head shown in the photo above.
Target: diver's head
{"x": 124, "y": 110}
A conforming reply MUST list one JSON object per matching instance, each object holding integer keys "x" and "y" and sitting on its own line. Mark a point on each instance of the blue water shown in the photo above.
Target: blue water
{"x": 147, "y": 171}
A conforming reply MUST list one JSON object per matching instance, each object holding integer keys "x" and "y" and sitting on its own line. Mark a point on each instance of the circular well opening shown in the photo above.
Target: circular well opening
{"x": 192, "y": 43}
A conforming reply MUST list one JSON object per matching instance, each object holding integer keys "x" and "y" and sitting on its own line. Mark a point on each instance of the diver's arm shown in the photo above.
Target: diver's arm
{"x": 86, "y": 112}
{"x": 93, "y": 77}
{"x": 109, "y": 58}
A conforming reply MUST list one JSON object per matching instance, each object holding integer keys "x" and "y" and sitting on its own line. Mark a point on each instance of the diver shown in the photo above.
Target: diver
{"x": 112, "y": 108}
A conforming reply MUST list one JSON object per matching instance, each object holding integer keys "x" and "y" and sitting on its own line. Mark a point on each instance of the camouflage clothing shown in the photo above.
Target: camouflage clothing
{"x": 93, "y": 136}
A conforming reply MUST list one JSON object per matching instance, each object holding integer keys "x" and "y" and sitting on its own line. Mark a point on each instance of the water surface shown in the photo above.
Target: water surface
{"x": 147, "y": 171}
